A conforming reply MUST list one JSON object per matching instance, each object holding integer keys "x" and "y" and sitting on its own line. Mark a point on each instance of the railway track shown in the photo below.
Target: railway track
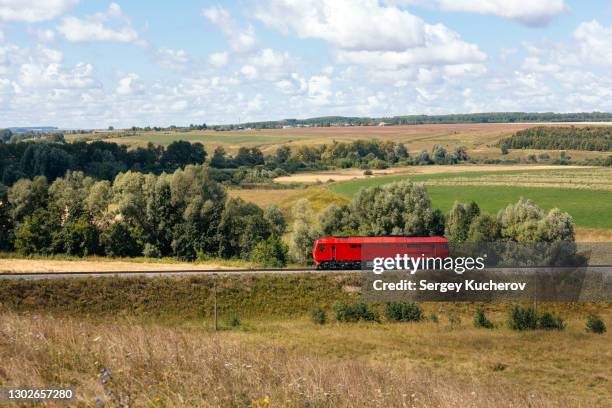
{"x": 190, "y": 272}
{"x": 606, "y": 269}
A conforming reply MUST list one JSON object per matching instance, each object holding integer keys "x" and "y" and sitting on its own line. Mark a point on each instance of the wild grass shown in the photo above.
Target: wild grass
{"x": 300, "y": 364}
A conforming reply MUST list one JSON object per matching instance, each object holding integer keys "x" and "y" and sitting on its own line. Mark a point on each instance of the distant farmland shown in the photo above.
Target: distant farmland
{"x": 590, "y": 207}
{"x": 479, "y": 138}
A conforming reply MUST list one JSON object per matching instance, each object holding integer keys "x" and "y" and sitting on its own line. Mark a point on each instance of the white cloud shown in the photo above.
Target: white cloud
{"x": 319, "y": 89}
{"x": 45, "y": 35}
{"x": 366, "y": 31}
{"x": 55, "y": 76}
{"x": 528, "y": 12}
{"x": 249, "y": 71}
{"x": 173, "y": 59}
{"x": 362, "y": 25}
{"x": 218, "y": 59}
{"x": 594, "y": 42}
{"x": 96, "y": 28}
{"x": 268, "y": 58}
{"x": 33, "y": 11}
{"x": 256, "y": 103}
{"x": 241, "y": 39}
{"x": 129, "y": 84}
{"x": 442, "y": 47}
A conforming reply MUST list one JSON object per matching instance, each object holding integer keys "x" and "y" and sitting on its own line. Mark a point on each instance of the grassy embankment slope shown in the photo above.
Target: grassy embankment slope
{"x": 154, "y": 335}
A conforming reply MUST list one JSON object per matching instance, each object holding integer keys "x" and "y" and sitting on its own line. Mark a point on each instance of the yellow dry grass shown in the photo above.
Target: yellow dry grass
{"x": 12, "y": 265}
{"x": 280, "y": 364}
{"x": 350, "y": 174}
{"x": 593, "y": 235}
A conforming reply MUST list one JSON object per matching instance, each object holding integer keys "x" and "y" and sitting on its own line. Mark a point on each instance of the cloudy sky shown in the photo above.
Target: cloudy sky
{"x": 90, "y": 63}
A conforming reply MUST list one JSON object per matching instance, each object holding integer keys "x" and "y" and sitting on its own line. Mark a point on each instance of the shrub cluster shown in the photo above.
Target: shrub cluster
{"x": 318, "y": 315}
{"x": 404, "y": 312}
{"x": 594, "y": 324}
{"x": 348, "y": 313}
{"x": 480, "y": 320}
{"x": 527, "y": 319}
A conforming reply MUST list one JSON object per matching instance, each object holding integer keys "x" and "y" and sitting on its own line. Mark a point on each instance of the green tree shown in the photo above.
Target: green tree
{"x": 78, "y": 237}
{"x": 119, "y": 241}
{"x": 6, "y": 221}
{"x": 270, "y": 253}
{"x": 336, "y": 220}
{"x": 218, "y": 159}
{"x": 34, "y": 235}
{"x": 459, "y": 221}
{"x": 401, "y": 208}
{"x": 26, "y": 196}
{"x": 484, "y": 228}
{"x": 241, "y": 227}
{"x": 275, "y": 218}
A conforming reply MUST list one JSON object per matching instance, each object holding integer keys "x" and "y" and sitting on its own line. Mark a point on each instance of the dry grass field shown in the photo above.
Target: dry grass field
{"x": 297, "y": 364}
{"x": 97, "y": 264}
{"x": 351, "y": 174}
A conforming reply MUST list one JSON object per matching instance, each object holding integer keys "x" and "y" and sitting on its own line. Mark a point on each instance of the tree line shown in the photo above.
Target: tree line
{"x": 188, "y": 215}
{"x": 100, "y": 160}
{"x": 404, "y": 208}
{"x": 182, "y": 214}
{"x": 594, "y": 138}
{"x": 487, "y": 117}
{"x": 104, "y": 160}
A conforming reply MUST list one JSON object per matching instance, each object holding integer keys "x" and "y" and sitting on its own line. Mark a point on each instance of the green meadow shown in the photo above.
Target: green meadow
{"x": 590, "y": 208}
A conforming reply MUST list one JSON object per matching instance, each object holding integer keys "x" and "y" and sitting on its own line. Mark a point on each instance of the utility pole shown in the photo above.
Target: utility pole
{"x": 215, "y": 299}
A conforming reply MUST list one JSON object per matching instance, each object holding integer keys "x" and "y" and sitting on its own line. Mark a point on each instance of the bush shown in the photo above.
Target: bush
{"x": 318, "y": 315}
{"x": 480, "y": 320}
{"x": 367, "y": 172}
{"x": 151, "y": 251}
{"x": 404, "y": 312}
{"x": 234, "y": 321}
{"x": 271, "y": 253}
{"x": 594, "y": 324}
{"x": 434, "y": 318}
{"x": 347, "y": 313}
{"x": 522, "y": 319}
{"x": 549, "y": 321}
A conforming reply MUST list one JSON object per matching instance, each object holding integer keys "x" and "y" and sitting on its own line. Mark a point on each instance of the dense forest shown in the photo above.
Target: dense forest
{"x": 101, "y": 160}
{"x": 493, "y": 117}
{"x": 179, "y": 214}
{"x": 595, "y": 138}
{"x": 104, "y": 160}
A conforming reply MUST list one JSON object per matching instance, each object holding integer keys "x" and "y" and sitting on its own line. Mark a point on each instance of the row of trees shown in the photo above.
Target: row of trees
{"x": 487, "y": 117}
{"x": 404, "y": 208}
{"x": 364, "y": 154}
{"x": 596, "y": 138}
{"x": 181, "y": 214}
{"x": 104, "y": 160}
{"x": 100, "y": 160}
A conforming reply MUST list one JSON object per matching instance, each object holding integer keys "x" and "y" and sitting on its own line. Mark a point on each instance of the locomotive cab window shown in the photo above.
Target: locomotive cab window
{"x": 321, "y": 247}
{"x": 443, "y": 246}
{"x": 355, "y": 245}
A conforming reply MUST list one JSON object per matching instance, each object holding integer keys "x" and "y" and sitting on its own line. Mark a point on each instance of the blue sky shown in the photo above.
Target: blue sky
{"x": 91, "y": 64}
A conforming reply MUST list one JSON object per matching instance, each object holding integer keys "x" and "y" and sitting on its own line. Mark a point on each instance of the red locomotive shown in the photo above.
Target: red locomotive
{"x": 352, "y": 252}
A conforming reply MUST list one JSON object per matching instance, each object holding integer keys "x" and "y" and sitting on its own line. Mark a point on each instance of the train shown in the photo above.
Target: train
{"x": 357, "y": 251}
